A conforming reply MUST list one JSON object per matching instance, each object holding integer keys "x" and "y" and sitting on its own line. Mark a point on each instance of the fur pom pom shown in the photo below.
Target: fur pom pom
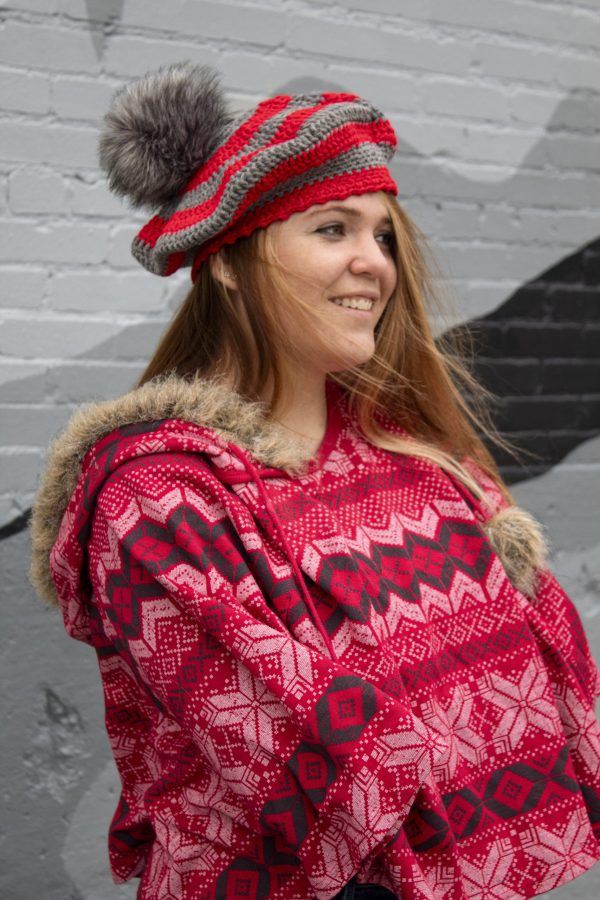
{"x": 160, "y": 130}
{"x": 519, "y": 542}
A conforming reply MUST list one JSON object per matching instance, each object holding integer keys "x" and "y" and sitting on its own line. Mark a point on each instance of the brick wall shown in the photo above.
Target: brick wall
{"x": 497, "y": 109}
{"x": 495, "y": 106}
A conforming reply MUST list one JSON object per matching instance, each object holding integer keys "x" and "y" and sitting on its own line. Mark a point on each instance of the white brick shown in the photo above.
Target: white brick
{"x": 429, "y": 138}
{"x": 464, "y": 181}
{"x": 390, "y": 90}
{"x": 492, "y": 146}
{"x": 478, "y": 297}
{"x": 133, "y": 56}
{"x": 81, "y": 98}
{"x": 46, "y": 338}
{"x": 465, "y": 101}
{"x": 36, "y": 192}
{"x": 418, "y": 9}
{"x": 66, "y": 146}
{"x": 538, "y": 226}
{"x": 357, "y": 42}
{"x": 119, "y": 252}
{"x": 19, "y": 471}
{"x": 32, "y": 426}
{"x": 578, "y": 72}
{"x": 536, "y": 107}
{"x": 245, "y": 71}
{"x": 95, "y": 199}
{"x": 249, "y": 24}
{"x": 122, "y": 292}
{"x": 40, "y": 47}
{"x": 25, "y": 92}
{"x": 552, "y": 191}
{"x": 23, "y": 383}
{"x": 137, "y": 342}
{"x": 497, "y": 16}
{"x": 425, "y": 215}
{"x": 459, "y": 220}
{"x": 493, "y": 261}
{"x": 521, "y": 19}
{"x": 38, "y": 6}
{"x": 82, "y": 382}
{"x": 577, "y": 227}
{"x": 100, "y": 11}
{"x": 500, "y": 223}
{"x": 558, "y": 25}
{"x": 406, "y": 171}
{"x": 22, "y": 287}
{"x": 57, "y": 242}
{"x": 515, "y": 63}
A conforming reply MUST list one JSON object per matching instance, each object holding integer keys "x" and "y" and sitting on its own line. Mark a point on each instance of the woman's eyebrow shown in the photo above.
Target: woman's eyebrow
{"x": 344, "y": 210}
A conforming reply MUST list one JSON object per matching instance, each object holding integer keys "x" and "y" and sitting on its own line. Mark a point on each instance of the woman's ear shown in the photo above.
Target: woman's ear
{"x": 221, "y": 271}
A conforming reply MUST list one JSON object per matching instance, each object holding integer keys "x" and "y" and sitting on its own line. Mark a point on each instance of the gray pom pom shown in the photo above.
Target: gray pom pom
{"x": 160, "y": 130}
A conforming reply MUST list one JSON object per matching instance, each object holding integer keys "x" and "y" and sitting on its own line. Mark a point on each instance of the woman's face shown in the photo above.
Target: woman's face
{"x": 338, "y": 259}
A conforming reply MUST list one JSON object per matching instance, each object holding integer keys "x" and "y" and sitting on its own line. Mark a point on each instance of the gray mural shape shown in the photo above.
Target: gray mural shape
{"x": 106, "y": 14}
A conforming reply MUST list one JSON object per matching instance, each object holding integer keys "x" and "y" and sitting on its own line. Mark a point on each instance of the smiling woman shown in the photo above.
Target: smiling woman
{"x": 339, "y": 269}
{"x": 335, "y": 662}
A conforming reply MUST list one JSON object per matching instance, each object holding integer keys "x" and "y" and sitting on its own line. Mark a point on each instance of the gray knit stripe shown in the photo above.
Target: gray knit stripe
{"x": 256, "y": 169}
{"x": 359, "y": 158}
{"x": 313, "y": 130}
{"x": 259, "y": 138}
{"x": 366, "y": 155}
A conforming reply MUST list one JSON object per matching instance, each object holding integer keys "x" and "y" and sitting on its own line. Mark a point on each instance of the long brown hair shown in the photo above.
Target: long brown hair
{"x": 420, "y": 384}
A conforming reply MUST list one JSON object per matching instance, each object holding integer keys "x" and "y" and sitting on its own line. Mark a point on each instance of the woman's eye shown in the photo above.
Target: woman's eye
{"x": 333, "y": 229}
{"x": 386, "y": 238}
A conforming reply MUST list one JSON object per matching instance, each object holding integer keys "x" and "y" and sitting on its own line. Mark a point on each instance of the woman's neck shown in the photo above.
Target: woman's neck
{"x": 302, "y": 410}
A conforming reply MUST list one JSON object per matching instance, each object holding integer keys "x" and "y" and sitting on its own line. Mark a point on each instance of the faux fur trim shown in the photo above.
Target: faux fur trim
{"x": 202, "y": 402}
{"x": 520, "y": 543}
{"x": 514, "y": 534}
{"x": 159, "y": 130}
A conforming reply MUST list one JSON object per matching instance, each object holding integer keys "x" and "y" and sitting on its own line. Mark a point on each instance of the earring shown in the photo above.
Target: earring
{"x": 228, "y": 275}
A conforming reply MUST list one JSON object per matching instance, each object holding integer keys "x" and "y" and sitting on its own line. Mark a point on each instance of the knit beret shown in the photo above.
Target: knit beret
{"x": 169, "y": 143}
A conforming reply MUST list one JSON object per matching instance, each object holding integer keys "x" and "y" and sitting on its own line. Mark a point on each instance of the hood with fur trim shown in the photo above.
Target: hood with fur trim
{"x": 514, "y": 534}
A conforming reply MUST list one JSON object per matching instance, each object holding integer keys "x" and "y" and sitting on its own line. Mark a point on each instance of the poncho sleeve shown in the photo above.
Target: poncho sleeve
{"x": 551, "y": 613}
{"x": 314, "y": 754}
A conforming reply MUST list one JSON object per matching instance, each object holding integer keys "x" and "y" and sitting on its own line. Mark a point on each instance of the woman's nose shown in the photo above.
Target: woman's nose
{"x": 368, "y": 257}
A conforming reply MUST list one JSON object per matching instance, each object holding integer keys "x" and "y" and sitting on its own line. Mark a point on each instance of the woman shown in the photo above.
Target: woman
{"x": 334, "y": 661}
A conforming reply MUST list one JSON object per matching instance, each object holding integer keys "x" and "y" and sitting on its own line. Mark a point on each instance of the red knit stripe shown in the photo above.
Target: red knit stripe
{"x": 291, "y": 125}
{"x": 152, "y": 230}
{"x": 174, "y": 262}
{"x": 305, "y": 196}
{"x": 265, "y": 110}
{"x": 343, "y": 138}
{"x": 241, "y": 136}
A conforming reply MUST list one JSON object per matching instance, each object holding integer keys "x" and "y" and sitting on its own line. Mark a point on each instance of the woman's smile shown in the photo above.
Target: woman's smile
{"x": 340, "y": 255}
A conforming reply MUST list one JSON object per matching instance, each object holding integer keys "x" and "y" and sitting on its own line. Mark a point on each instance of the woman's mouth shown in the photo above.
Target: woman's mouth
{"x": 363, "y": 303}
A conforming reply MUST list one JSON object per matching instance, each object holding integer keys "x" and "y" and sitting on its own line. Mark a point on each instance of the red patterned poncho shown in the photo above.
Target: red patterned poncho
{"x": 315, "y": 675}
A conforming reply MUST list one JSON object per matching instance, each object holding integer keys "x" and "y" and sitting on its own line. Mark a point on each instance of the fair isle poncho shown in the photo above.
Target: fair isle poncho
{"x": 318, "y": 675}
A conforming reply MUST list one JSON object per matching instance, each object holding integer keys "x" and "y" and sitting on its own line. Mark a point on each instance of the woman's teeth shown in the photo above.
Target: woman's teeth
{"x": 353, "y": 302}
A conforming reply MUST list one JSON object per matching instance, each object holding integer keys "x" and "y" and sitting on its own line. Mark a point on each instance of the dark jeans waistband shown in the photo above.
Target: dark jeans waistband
{"x": 354, "y": 891}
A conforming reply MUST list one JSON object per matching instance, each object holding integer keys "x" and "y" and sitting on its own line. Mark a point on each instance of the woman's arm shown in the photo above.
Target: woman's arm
{"x": 313, "y": 752}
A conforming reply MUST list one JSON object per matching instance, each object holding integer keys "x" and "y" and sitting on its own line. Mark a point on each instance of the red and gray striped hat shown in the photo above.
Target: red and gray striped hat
{"x": 169, "y": 143}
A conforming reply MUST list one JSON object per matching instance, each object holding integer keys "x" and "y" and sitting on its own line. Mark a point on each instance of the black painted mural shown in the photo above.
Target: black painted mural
{"x": 539, "y": 354}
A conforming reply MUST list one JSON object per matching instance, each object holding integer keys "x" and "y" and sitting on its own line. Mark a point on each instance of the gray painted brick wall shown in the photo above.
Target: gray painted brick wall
{"x": 497, "y": 108}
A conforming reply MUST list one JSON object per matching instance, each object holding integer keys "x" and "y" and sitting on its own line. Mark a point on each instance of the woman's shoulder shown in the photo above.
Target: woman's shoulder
{"x": 214, "y": 427}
